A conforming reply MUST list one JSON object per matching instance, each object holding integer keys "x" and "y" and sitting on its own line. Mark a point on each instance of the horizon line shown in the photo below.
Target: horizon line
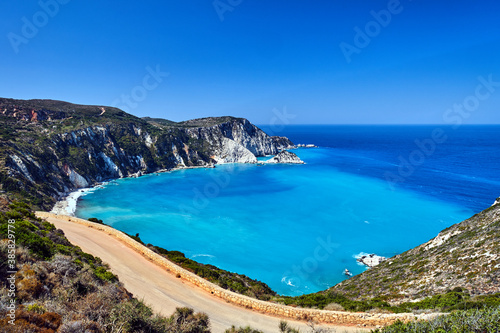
{"x": 381, "y": 124}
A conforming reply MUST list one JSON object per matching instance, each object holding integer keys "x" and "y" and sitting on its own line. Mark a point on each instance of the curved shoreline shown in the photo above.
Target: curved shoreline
{"x": 273, "y": 309}
{"x": 68, "y": 203}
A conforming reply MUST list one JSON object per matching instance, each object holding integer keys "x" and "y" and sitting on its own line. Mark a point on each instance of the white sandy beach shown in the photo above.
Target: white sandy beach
{"x": 67, "y": 205}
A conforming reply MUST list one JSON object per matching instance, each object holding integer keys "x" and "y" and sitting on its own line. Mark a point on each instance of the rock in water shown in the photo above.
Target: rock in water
{"x": 285, "y": 157}
{"x": 371, "y": 260}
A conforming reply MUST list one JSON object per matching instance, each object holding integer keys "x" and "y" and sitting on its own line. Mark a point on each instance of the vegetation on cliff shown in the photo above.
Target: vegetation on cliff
{"x": 456, "y": 299}
{"x": 466, "y": 255}
{"x": 471, "y": 321}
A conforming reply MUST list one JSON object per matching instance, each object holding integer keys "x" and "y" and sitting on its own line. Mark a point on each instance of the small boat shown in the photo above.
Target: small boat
{"x": 346, "y": 272}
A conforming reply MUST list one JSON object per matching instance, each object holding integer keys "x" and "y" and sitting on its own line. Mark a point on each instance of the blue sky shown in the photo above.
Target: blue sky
{"x": 256, "y": 59}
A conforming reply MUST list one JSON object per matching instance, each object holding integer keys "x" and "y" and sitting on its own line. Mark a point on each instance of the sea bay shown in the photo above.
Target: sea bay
{"x": 297, "y": 227}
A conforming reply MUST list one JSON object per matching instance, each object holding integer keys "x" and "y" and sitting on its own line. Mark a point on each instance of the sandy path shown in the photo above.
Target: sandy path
{"x": 161, "y": 290}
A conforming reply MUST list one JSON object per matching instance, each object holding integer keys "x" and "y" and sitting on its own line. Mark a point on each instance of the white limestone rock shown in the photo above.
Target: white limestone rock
{"x": 77, "y": 180}
{"x": 111, "y": 166}
{"x": 233, "y": 152}
{"x": 371, "y": 260}
{"x": 285, "y": 157}
{"x": 243, "y": 133}
{"x": 21, "y": 167}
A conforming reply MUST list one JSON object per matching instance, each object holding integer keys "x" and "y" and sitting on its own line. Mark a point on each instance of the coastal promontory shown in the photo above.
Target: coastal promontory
{"x": 53, "y": 148}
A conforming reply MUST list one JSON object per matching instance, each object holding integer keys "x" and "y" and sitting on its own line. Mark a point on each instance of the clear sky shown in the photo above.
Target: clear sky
{"x": 324, "y": 61}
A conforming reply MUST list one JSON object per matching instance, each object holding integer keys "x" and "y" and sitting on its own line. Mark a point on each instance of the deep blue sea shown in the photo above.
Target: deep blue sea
{"x": 366, "y": 189}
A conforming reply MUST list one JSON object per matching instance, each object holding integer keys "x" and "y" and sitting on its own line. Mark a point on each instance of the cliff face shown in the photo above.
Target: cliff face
{"x": 244, "y": 134}
{"x": 50, "y": 148}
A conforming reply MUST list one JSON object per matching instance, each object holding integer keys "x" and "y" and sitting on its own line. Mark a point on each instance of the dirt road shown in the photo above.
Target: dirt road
{"x": 161, "y": 290}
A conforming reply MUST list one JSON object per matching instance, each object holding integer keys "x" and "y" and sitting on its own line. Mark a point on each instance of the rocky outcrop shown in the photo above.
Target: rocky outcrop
{"x": 67, "y": 146}
{"x": 285, "y": 157}
{"x": 371, "y": 260}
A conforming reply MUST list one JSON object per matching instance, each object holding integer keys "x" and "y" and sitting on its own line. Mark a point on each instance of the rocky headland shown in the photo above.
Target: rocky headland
{"x": 52, "y": 148}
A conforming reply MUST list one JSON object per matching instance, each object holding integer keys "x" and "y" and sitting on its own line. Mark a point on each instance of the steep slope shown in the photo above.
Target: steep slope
{"x": 465, "y": 255}
{"x": 49, "y": 148}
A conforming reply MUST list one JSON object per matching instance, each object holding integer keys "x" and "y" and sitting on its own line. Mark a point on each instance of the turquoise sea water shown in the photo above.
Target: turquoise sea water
{"x": 295, "y": 227}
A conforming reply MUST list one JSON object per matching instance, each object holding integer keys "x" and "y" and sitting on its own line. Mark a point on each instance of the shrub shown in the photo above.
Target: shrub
{"x": 105, "y": 275}
{"x": 246, "y": 329}
{"x": 48, "y": 322}
{"x": 136, "y": 238}
{"x": 285, "y": 328}
{"x": 480, "y": 321}
{"x": 185, "y": 320}
{"x": 28, "y": 285}
{"x": 334, "y": 307}
{"x": 36, "y": 308}
{"x": 95, "y": 220}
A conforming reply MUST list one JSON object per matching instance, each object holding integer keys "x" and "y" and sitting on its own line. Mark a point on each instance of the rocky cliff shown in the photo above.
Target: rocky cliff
{"x": 50, "y": 148}
{"x": 285, "y": 157}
